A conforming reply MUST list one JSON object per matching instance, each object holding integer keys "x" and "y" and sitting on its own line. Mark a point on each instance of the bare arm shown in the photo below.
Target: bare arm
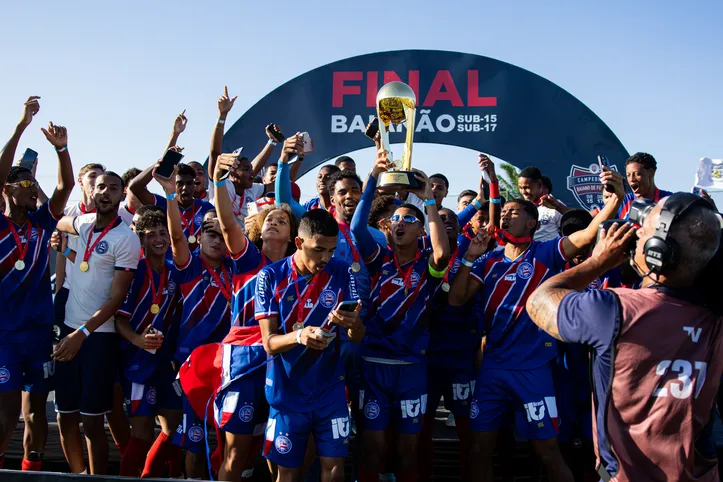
{"x": 179, "y": 243}
{"x": 232, "y": 231}
{"x": 179, "y": 125}
{"x": 464, "y": 286}
{"x": 144, "y": 341}
{"x": 225, "y": 103}
{"x": 437, "y": 234}
{"x": 66, "y": 225}
{"x": 138, "y": 193}
{"x": 58, "y": 137}
{"x": 263, "y": 157}
{"x": 30, "y": 108}
{"x": 275, "y": 343}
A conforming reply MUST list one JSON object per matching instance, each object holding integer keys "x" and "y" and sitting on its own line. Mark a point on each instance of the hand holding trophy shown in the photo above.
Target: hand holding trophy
{"x": 396, "y": 103}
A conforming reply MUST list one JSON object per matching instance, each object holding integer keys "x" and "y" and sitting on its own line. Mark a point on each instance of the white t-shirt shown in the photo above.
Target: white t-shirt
{"x": 239, "y": 204}
{"x": 124, "y": 213}
{"x": 549, "y": 224}
{"x": 119, "y": 249}
{"x": 72, "y": 210}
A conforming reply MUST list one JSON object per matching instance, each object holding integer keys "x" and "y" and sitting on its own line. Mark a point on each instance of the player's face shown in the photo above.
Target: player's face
{"x": 156, "y": 241}
{"x": 270, "y": 175}
{"x": 210, "y": 215}
{"x": 516, "y": 221}
{"x": 186, "y": 187}
{"x": 439, "y": 189}
{"x": 464, "y": 202}
{"x": 25, "y": 198}
{"x": 241, "y": 177}
{"x": 108, "y": 194}
{"x": 87, "y": 182}
{"x": 644, "y": 234}
{"x": 213, "y": 246}
{"x": 201, "y": 182}
{"x": 451, "y": 223}
{"x": 404, "y": 233}
{"x": 530, "y": 190}
{"x": 348, "y": 166}
{"x": 480, "y": 220}
{"x": 133, "y": 222}
{"x": 316, "y": 251}
{"x": 639, "y": 179}
{"x": 277, "y": 226}
{"x": 321, "y": 179}
{"x": 606, "y": 196}
{"x": 347, "y": 193}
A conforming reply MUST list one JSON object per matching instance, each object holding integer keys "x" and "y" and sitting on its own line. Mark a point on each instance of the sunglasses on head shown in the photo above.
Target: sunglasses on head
{"x": 25, "y": 183}
{"x": 407, "y": 218}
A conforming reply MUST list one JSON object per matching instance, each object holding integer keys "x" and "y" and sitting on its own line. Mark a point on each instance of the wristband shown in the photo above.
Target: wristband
{"x": 219, "y": 183}
{"x": 496, "y": 200}
{"x": 476, "y": 204}
{"x": 221, "y": 121}
{"x": 171, "y": 196}
{"x": 66, "y": 252}
{"x": 298, "y": 336}
{"x": 495, "y": 189}
{"x": 64, "y": 148}
{"x": 272, "y": 143}
{"x": 435, "y": 272}
{"x": 468, "y": 264}
{"x": 85, "y": 331}
{"x": 430, "y": 202}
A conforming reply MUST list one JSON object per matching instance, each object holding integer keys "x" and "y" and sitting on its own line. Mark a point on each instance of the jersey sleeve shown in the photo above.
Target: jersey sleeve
{"x": 477, "y": 272}
{"x": 45, "y": 219}
{"x": 591, "y": 318}
{"x": 160, "y": 201}
{"x": 266, "y": 304}
{"x": 191, "y": 271}
{"x": 551, "y": 254}
{"x": 247, "y": 260}
{"x": 127, "y": 252}
{"x": 129, "y": 304}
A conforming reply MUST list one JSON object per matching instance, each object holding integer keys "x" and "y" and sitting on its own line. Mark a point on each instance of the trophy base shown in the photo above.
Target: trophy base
{"x": 400, "y": 179}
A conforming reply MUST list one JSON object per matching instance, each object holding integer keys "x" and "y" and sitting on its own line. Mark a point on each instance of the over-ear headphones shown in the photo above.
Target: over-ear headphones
{"x": 660, "y": 252}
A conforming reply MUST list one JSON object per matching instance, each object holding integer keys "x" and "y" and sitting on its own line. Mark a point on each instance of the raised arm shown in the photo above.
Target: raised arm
{"x": 579, "y": 242}
{"x": 296, "y": 167}
{"x": 67, "y": 225}
{"x": 225, "y": 103}
{"x": 138, "y": 193}
{"x": 232, "y": 231}
{"x": 263, "y": 157}
{"x": 437, "y": 233}
{"x": 465, "y": 286}
{"x": 58, "y": 137}
{"x": 179, "y": 125}
{"x": 282, "y": 187}
{"x": 359, "y": 222}
{"x": 30, "y": 108}
{"x": 179, "y": 243}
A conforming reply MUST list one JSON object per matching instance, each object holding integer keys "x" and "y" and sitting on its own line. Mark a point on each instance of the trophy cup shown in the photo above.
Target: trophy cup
{"x": 396, "y": 103}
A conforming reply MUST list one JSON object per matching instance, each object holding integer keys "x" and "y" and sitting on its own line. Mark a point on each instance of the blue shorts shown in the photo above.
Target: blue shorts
{"x": 160, "y": 391}
{"x": 529, "y": 394}
{"x": 288, "y": 432}
{"x": 190, "y": 434}
{"x": 394, "y": 390}
{"x": 25, "y": 362}
{"x": 242, "y": 408}
{"x": 86, "y": 383}
{"x": 456, "y": 386}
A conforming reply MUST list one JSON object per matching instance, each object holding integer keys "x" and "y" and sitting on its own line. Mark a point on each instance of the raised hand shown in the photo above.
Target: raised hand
{"x": 425, "y": 189}
{"x": 225, "y": 162}
{"x": 179, "y": 125}
{"x": 614, "y": 179}
{"x": 225, "y": 103}
{"x": 30, "y": 108}
{"x": 270, "y": 132}
{"x": 486, "y": 165}
{"x": 293, "y": 146}
{"x": 56, "y": 135}
{"x": 478, "y": 245}
{"x": 168, "y": 185}
{"x": 614, "y": 245}
{"x": 381, "y": 164}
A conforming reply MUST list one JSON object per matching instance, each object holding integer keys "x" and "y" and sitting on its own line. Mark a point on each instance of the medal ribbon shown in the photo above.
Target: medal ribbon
{"x": 191, "y": 226}
{"x": 88, "y": 247}
{"x": 22, "y": 247}
{"x": 449, "y": 266}
{"x": 410, "y": 270}
{"x": 309, "y": 289}
{"x": 156, "y": 293}
{"x": 225, "y": 289}
{"x": 503, "y": 237}
{"x": 354, "y": 252}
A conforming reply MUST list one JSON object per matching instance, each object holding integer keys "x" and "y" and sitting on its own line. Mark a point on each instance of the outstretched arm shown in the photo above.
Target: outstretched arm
{"x": 58, "y": 137}
{"x": 282, "y": 188}
{"x": 225, "y": 103}
{"x": 232, "y": 231}
{"x": 179, "y": 243}
{"x": 437, "y": 233}
{"x": 359, "y": 222}
{"x": 263, "y": 157}
{"x": 30, "y": 108}
{"x": 465, "y": 286}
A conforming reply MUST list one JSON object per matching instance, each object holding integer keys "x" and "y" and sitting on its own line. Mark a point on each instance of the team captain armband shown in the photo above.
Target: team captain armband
{"x": 435, "y": 272}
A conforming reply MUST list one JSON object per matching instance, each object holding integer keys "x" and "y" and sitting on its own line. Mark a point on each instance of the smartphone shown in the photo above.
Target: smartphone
{"x": 348, "y": 305}
{"x": 373, "y": 129}
{"x": 224, "y": 172}
{"x": 169, "y": 161}
{"x": 252, "y": 208}
{"x": 276, "y": 133}
{"x": 308, "y": 144}
{"x": 153, "y": 331}
{"x": 29, "y": 158}
{"x": 603, "y": 162}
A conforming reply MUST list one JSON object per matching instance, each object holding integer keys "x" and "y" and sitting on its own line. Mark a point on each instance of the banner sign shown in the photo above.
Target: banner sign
{"x": 462, "y": 100}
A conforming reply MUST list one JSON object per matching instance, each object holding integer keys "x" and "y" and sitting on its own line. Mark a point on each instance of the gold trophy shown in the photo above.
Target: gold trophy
{"x": 396, "y": 103}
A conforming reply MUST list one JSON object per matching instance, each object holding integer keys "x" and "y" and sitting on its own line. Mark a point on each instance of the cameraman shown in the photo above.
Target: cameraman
{"x": 657, "y": 351}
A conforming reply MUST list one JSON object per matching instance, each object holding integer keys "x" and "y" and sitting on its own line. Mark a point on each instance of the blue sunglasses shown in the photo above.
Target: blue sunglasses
{"x": 407, "y": 218}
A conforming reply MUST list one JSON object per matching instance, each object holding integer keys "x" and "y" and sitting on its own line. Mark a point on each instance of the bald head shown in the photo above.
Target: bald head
{"x": 698, "y": 235}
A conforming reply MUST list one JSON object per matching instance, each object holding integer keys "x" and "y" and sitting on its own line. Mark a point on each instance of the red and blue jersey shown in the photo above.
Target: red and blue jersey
{"x": 246, "y": 267}
{"x": 139, "y": 365}
{"x": 302, "y": 379}
{"x": 624, "y": 210}
{"x": 25, "y": 294}
{"x": 191, "y": 217}
{"x": 397, "y": 327}
{"x": 513, "y": 340}
{"x": 206, "y": 315}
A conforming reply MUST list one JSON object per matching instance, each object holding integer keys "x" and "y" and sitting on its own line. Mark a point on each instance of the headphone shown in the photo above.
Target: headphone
{"x": 660, "y": 252}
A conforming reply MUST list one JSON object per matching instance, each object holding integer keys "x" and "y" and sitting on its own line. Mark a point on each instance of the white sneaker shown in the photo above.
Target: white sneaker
{"x": 450, "y": 421}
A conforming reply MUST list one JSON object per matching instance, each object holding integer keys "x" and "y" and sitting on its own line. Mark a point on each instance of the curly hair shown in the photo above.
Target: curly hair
{"x": 253, "y": 231}
{"x": 380, "y": 206}
{"x": 150, "y": 219}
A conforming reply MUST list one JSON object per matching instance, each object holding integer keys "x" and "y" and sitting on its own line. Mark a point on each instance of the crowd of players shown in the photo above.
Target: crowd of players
{"x": 226, "y": 305}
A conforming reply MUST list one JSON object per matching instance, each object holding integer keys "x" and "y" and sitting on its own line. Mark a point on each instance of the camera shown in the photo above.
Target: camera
{"x": 639, "y": 210}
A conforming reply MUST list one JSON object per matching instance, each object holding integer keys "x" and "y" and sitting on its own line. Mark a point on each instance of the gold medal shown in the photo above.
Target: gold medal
{"x": 298, "y": 326}
{"x": 155, "y": 308}
{"x": 445, "y": 287}
{"x": 20, "y": 265}
{"x": 355, "y": 267}
{"x": 192, "y": 239}
{"x": 84, "y": 266}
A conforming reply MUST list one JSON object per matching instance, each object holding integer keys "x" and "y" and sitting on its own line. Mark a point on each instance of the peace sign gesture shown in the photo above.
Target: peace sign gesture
{"x": 225, "y": 103}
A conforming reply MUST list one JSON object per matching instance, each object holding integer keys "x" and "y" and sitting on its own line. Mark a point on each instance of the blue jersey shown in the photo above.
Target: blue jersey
{"x": 26, "y": 296}
{"x": 139, "y": 365}
{"x": 624, "y": 210}
{"x": 513, "y": 340}
{"x": 301, "y": 379}
{"x": 206, "y": 312}
{"x": 191, "y": 217}
{"x": 246, "y": 267}
{"x": 397, "y": 326}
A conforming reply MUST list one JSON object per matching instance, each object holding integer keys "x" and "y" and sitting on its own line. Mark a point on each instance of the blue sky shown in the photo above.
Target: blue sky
{"x": 116, "y": 74}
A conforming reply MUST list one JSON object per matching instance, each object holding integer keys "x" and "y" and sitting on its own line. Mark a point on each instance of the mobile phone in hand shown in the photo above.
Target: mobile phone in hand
{"x": 29, "y": 158}
{"x": 373, "y": 129}
{"x": 308, "y": 144}
{"x": 603, "y": 162}
{"x": 170, "y": 160}
{"x": 224, "y": 172}
{"x": 276, "y": 133}
{"x": 349, "y": 306}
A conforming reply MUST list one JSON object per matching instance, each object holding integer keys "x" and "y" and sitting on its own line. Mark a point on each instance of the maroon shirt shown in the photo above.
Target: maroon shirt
{"x": 658, "y": 361}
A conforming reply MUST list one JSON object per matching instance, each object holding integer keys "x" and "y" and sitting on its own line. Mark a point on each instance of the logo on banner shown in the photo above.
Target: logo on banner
{"x": 584, "y": 183}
